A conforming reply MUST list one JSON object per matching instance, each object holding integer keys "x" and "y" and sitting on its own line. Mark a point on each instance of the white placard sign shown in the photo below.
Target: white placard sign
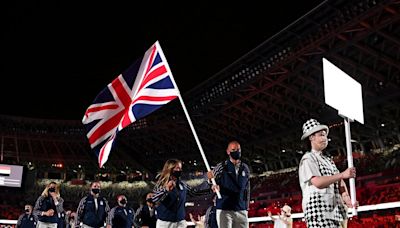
{"x": 342, "y": 92}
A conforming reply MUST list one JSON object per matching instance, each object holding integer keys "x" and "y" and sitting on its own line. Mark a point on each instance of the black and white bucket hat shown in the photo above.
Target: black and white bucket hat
{"x": 311, "y": 126}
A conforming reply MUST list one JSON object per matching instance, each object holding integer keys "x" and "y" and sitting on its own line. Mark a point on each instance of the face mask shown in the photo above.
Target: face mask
{"x": 235, "y": 154}
{"x": 96, "y": 191}
{"x": 149, "y": 200}
{"x": 52, "y": 189}
{"x": 122, "y": 202}
{"x": 27, "y": 210}
{"x": 176, "y": 174}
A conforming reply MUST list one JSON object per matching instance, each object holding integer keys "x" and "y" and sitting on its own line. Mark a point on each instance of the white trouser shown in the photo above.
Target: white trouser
{"x": 232, "y": 219}
{"x": 86, "y": 226}
{"x": 166, "y": 224}
{"x": 46, "y": 225}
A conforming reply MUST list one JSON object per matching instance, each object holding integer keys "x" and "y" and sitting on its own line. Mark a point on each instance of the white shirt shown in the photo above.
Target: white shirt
{"x": 308, "y": 169}
{"x": 96, "y": 204}
{"x": 278, "y": 223}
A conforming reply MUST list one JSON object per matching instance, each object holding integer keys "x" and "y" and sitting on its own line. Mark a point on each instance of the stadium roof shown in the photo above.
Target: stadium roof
{"x": 264, "y": 98}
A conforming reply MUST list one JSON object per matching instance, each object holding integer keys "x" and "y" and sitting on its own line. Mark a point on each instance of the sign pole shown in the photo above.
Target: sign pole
{"x": 350, "y": 164}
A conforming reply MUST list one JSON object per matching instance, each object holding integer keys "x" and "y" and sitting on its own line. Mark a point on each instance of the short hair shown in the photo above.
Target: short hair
{"x": 91, "y": 184}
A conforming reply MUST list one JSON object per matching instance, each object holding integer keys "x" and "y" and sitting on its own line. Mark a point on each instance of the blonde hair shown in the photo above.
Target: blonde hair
{"x": 45, "y": 192}
{"x": 166, "y": 171}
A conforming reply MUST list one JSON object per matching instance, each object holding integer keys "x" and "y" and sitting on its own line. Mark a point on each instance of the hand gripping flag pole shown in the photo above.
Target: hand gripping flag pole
{"x": 189, "y": 120}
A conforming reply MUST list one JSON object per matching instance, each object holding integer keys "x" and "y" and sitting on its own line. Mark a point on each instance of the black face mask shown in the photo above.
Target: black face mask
{"x": 176, "y": 174}
{"x": 235, "y": 154}
{"x": 96, "y": 190}
{"x": 149, "y": 200}
{"x": 52, "y": 189}
{"x": 27, "y": 210}
{"x": 122, "y": 202}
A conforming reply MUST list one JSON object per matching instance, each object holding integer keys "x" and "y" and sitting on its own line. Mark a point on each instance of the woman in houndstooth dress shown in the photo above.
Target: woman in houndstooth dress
{"x": 324, "y": 191}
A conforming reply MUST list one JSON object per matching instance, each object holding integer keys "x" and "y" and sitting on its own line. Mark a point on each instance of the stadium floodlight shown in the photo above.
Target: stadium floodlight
{"x": 344, "y": 93}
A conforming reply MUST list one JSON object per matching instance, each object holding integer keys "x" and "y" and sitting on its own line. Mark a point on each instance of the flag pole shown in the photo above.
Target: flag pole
{"x": 197, "y": 141}
{"x": 189, "y": 120}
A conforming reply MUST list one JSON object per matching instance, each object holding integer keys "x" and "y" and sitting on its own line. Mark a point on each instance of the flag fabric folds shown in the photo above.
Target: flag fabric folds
{"x": 143, "y": 88}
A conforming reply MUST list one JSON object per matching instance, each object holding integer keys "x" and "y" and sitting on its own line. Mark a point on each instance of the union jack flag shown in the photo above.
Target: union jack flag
{"x": 143, "y": 88}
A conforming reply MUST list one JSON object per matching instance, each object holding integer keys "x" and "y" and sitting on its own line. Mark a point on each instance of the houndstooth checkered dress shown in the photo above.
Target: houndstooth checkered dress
{"x": 323, "y": 208}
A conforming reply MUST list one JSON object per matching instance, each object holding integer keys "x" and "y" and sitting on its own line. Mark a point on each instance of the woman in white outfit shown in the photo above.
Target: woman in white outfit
{"x": 324, "y": 191}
